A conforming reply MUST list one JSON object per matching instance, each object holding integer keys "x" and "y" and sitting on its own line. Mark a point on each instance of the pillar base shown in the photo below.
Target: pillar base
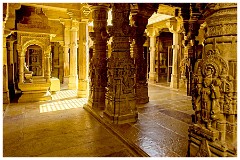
{"x": 200, "y": 146}
{"x": 82, "y": 88}
{"x": 120, "y": 110}
{"x": 34, "y": 92}
{"x": 6, "y": 98}
{"x": 152, "y": 77}
{"x": 96, "y": 104}
{"x": 120, "y": 119}
{"x": 97, "y": 97}
{"x": 142, "y": 93}
{"x": 72, "y": 84}
{"x": 174, "y": 83}
{"x": 183, "y": 84}
{"x": 65, "y": 80}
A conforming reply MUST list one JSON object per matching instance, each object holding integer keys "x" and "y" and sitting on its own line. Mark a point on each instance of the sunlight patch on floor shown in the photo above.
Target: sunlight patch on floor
{"x": 62, "y": 105}
{"x": 64, "y": 94}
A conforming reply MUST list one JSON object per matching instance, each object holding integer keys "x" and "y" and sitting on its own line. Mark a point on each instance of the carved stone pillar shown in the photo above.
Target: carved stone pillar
{"x": 152, "y": 33}
{"x": 140, "y": 23}
{"x": 120, "y": 96}
{"x": 11, "y": 71}
{"x": 98, "y": 63}
{"x": 47, "y": 75}
{"x": 5, "y": 72}
{"x": 21, "y": 67}
{"x": 66, "y": 50}
{"x": 73, "y": 80}
{"x": 83, "y": 59}
{"x": 175, "y": 26}
{"x": 214, "y": 131}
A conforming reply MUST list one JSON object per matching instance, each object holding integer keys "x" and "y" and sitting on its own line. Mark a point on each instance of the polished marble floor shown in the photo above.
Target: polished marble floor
{"x": 62, "y": 128}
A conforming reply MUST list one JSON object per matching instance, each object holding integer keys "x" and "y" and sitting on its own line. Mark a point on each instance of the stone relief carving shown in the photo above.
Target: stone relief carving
{"x": 212, "y": 98}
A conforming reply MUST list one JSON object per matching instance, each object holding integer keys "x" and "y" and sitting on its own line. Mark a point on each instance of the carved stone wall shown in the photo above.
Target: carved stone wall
{"x": 214, "y": 131}
{"x": 120, "y": 96}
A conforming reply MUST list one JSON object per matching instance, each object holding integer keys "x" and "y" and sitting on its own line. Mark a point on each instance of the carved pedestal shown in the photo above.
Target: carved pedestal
{"x": 120, "y": 97}
{"x": 34, "y": 92}
{"x": 214, "y": 131}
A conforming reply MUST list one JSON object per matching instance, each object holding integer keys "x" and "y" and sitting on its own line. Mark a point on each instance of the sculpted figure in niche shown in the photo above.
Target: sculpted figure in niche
{"x": 215, "y": 95}
{"x": 206, "y": 96}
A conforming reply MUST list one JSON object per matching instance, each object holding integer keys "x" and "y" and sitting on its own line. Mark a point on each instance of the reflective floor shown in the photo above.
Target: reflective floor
{"x": 162, "y": 127}
{"x": 62, "y": 128}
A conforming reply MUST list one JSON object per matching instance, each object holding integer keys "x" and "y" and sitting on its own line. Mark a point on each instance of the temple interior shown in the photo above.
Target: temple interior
{"x": 119, "y": 79}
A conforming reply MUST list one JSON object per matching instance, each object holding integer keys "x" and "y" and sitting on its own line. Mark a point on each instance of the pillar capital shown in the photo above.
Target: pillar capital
{"x": 175, "y": 25}
{"x": 66, "y": 23}
{"x": 152, "y": 32}
{"x": 98, "y": 6}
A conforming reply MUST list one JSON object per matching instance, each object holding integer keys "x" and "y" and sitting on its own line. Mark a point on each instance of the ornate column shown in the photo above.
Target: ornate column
{"x": 67, "y": 25}
{"x": 5, "y": 72}
{"x": 175, "y": 26}
{"x": 214, "y": 130}
{"x": 11, "y": 71}
{"x": 120, "y": 96}
{"x": 98, "y": 63}
{"x": 191, "y": 28}
{"x": 47, "y": 54}
{"x": 152, "y": 33}
{"x": 21, "y": 59}
{"x": 83, "y": 59}
{"x": 73, "y": 77}
{"x": 140, "y": 14}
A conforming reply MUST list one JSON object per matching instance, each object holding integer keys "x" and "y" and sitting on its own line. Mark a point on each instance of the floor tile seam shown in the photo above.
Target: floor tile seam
{"x": 134, "y": 149}
{"x": 169, "y": 88}
{"x": 174, "y": 118}
{"x": 165, "y": 147}
{"x": 170, "y": 130}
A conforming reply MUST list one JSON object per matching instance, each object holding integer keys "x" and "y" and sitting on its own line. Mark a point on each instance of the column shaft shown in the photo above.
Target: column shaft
{"x": 152, "y": 74}
{"x": 5, "y": 73}
{"x": 120, "y": 96}
{"x": 73, "y": 59}
{"x": 215, "y": 86}
{"x": 174, "y": 76}
{"x": 98, "y": 63}
{"x": 66, "y": 52}
{"x": 83, "y": 59}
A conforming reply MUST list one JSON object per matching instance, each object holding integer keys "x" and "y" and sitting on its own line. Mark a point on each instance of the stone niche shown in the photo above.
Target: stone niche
{"x": 34, "y": 52}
